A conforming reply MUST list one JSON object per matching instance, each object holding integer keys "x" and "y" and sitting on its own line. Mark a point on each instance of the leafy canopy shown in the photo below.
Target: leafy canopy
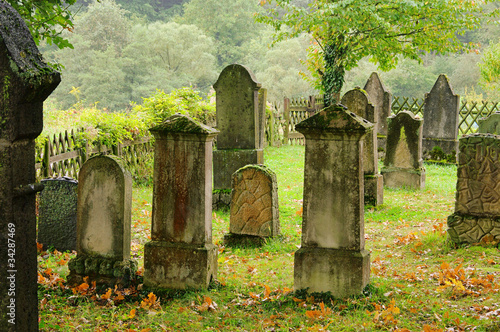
{"x": 345, "y": 31}
{"x": 46, "y": 19}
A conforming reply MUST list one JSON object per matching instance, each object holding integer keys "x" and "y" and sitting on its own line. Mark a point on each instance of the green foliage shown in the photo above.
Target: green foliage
{"x": 46, "y": 19}
{"x": 346, "y": 31}
{"x": 490, "y": 70}
{"x": 160, "y": 105}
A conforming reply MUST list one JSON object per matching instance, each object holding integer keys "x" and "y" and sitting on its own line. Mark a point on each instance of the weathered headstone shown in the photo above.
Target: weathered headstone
{"x": 357, "y": 101}
{"x": 403, "y": 165}
{"x": 57, "y": 214}
{"x": 103, "y": 223}
{"x": 254, "y": 206}
{"x": 25, "y": 82}
{"x": 240, "y": 122}
{"x": 181, "y": 253}
{"x": 477, "y": 207}
{"x": 381, "y": 98}
{"x": 332, "y": 257}
{"x": 441, "y": 119}
{"x": 490, "y": 124}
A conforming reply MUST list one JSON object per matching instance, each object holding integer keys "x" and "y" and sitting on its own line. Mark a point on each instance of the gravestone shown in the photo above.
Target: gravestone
{"x": 332, "y": 257}
{"x": 181, "y": 253}
{"x": 381, "y": 98}
{"x": 490, "y": 124}
{"x": 477, "y": 206}
{"x": 357, "y": 101}
{"x": 240, "y": 121}
{"x": 403, "y": 164}
{"x": 441, "y": 119}
{"x": 103, "y": 223}
{"x": 57, "y": 214}
{"x": 254, "y": 206}
{"x": 25, "y": 82}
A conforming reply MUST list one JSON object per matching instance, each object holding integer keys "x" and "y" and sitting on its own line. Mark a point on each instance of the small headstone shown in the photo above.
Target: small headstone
{"x": 57, "y": 214}
{"x": 403, "y": 164}
{"x": 477, "y": 207}
{"x": 381, "y": 98}
{"x": 25, "y": 82}
{"x": 103, "y": 223}
{"x": 332, "y": 257}
{"x": 181, "y": 253}
{"x": 240, "y": 120}
{"x": 490, "y": 124}
{"x": 357, "y": 101}
{"x": 441, "y": 118}
{"x": 254, "y": 206}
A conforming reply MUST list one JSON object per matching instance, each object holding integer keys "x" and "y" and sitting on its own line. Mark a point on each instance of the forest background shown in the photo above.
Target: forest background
{"x": 124, "y": 50}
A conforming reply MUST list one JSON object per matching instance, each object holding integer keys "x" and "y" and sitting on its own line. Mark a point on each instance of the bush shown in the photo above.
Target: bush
{"x": 186, "y": 101}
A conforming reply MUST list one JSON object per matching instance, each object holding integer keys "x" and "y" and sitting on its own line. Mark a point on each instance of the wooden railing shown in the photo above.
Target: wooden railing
{"x": 63, "y": 155}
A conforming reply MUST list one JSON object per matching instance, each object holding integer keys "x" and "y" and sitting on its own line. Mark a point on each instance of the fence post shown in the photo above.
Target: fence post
{"x": 46, "y": 159}
{"x": 286, "y": 108}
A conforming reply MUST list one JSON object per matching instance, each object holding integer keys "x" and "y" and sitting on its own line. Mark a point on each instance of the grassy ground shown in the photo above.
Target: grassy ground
{"x": 419, "y": 281}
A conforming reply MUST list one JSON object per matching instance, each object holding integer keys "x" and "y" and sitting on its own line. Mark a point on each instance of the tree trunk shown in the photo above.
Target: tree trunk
{"x": 333, "y": 77}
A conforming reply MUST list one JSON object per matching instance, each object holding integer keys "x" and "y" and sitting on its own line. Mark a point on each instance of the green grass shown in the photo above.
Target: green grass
{"x": 410, "y": 261}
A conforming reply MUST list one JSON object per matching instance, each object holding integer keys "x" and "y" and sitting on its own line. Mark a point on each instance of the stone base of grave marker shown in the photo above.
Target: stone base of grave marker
{"x": 374, "y": 189}
{"x": 473, "y": 229}
{"x": 341, "y": 272}
{"x": 449, "y": 147}
{"x": 104, "y": 271}
{"x": 400, "y": 177}
{"x": 226, "y": 162}
{"x": 178, "y": 265}
{"x": 244, "y": 240}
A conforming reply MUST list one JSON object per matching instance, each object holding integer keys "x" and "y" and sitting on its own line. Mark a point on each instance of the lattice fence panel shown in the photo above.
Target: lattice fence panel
{"x": 471, "y": 112}
{"x": 414, "y": 105}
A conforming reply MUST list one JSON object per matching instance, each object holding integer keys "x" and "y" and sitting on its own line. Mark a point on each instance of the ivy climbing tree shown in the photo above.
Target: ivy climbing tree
{"x": 345, "y": 31}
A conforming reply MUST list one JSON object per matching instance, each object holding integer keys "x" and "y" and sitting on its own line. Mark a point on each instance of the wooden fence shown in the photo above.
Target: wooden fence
{"x": 297, "y": 110}
{"x": 62, "y": 155}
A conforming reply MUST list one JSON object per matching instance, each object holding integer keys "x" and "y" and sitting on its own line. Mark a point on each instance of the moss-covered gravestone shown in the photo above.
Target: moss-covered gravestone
{"x": 357, "y": 101}
{"x": 477, "y": 207}
{"x": 103, "y": 223}
{"x": 254, "y": 206}
{"x": 441, "y": 119}
{"x": 25, "y": 82}
{"x": 381, "y": 98}
{"x": 403, "y": 165}
{"x": 181, "y": 253}
{"x": 241, "y": 125}
{"x": 57, "y": 214}
{"x": 332, "y": 257}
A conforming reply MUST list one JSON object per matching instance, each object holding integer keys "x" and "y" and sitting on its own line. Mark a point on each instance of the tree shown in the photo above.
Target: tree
{"x": 490, "y": 71}
{"x": 46, "y": 19}
{"x": 230, "y": 23}
{"x": 345, "y": 31}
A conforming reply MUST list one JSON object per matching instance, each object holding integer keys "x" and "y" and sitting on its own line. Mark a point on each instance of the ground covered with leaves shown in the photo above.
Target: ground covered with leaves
{"x": 419, "y": 281}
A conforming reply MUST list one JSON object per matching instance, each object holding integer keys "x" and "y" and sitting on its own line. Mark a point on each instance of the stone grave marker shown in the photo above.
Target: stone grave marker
{"x": 103, "y": 223}
{"x": 181, "y": 253}
{"x": 441, "y": 119}
{"x": 57, "y": 214}
{"x": 490, "y": 124}
{"x": 477, "y": 206}
{"x": 254, "y": 206}
{"x": 332, "y": 257}
{"x": 240, "y": 121}
{"x": 25, "y": 82}
{"x": 403, "y": 164}
{"x": 357, "y": 101}
{"x": 381, "y": 98}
